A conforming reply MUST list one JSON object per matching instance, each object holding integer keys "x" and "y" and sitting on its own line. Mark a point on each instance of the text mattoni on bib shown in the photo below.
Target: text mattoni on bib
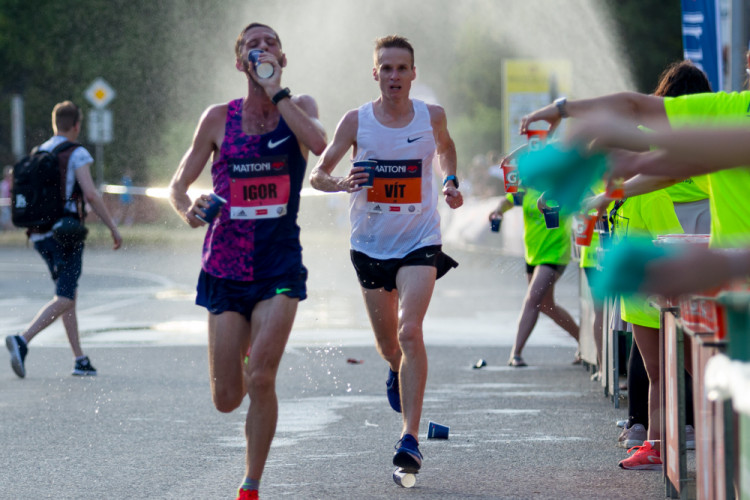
{"x": 397, "y": 187}
{"x": 259, "y": 187}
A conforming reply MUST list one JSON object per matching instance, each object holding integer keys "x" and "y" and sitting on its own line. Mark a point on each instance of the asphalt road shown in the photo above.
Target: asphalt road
{"x": 145, "y": 427}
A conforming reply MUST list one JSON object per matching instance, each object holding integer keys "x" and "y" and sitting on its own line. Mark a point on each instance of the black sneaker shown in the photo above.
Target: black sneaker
{"x": 18, "y": 350}
{"x": 84, "y": 367}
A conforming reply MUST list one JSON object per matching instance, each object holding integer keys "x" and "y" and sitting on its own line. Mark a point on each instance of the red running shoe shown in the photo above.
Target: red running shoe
{"x": 645, "y": 458}
{"x": 247, "y": 494}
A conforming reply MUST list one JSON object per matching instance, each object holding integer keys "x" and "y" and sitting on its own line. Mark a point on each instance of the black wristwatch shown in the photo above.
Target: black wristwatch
{"x": 281, "y": 94}
{"x": 560, "y": 102}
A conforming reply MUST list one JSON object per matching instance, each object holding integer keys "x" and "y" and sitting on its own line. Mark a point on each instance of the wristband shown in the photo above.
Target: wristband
{"x": 281, "y": 94}
{"x": 560, "y": 103}
{"x": 451, "y": 178}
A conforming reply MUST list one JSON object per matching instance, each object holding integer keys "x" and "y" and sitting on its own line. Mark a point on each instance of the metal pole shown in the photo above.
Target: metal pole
{"x": 18, "y": 143}
{"x": 99, "y": 164}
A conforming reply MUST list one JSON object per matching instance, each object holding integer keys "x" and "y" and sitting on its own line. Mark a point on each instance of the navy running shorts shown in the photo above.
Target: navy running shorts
{"x": 377, "y": 273}
{"x": 219, "y": 295}
{"x": 559, "y": 268}
{"x": 65, "y": 264}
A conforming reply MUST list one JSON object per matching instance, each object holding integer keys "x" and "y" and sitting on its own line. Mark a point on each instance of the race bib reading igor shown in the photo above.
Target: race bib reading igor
{"x": 396, "y": 188}
{"x": 259, "y": 187}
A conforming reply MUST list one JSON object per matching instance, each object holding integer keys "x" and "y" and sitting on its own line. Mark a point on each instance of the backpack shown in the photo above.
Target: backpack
{"x": 38, "y": 195}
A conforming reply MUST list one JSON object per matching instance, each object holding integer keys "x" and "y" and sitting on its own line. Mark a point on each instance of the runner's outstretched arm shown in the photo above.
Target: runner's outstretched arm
{"x": 344, "y": 138}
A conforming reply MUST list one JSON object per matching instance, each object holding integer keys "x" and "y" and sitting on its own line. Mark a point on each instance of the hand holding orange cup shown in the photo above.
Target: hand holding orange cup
{"x": 583, "y": 228}
{"x": 537, "y": 139}
{"x": 615, "y": 189}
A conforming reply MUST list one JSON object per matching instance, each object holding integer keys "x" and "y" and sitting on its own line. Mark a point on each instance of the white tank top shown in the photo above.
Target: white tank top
{"x": 399, "y": 213}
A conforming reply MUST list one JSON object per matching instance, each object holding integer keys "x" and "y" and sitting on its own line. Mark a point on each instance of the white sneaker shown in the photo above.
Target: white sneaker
{"x": 631, "y": 436}
{"x": 622, "y": 423}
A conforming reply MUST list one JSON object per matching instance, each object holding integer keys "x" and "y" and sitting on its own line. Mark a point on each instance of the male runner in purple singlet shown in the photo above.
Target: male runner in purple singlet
{"x": 252, "y": 276}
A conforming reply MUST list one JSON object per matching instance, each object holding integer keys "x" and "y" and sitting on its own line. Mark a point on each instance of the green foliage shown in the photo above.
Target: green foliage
{"x": 651, "y": 36}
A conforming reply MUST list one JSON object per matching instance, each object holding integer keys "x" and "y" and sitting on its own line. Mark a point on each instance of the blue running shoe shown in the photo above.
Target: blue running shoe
{"x": 407, "y": 454}
{"x": 392, "y": 390}
{"x": 18, "y": 350}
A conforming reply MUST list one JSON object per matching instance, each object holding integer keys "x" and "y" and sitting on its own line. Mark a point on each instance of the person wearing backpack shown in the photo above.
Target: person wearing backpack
{"x": 64, "y": 257}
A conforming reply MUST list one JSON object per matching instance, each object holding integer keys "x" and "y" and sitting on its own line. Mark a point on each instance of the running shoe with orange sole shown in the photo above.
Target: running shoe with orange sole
{"x": 645, "y": 458}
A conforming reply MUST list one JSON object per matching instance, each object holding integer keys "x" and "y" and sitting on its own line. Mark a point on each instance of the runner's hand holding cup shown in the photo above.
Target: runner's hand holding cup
{"x": 362, "y": 175}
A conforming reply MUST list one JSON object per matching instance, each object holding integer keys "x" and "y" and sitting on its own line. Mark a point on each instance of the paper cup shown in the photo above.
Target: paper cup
{"x": 536, "y": 138}
{"x": 263, "y": 70}
{"x": 583, "y": 228}
{"x": 615, "y": 189}
{"x": 495, "y": 223}
{"x": 510, "y": 177}
{"x": 552, "y": 217}
{"x": 437, "y": 431}
{"x": 369, "y": 166}
{"x": 213, "y": 209}
{"x": 404, "y": 479}
{"x": 518, "y": 198}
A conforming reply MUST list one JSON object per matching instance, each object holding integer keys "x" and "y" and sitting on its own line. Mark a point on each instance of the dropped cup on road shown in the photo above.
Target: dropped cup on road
{"x": 213, "y": 208}
{"x": 552, "y": 217}
{"x": 369, "y": 168}
{"x": 583, "y": 228}
{"x": 437, "y": 431}
{"x": 404, "y": 479}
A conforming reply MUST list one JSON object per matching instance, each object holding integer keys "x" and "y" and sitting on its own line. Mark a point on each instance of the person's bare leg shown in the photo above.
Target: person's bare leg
{"x": 558, "y": 314}
{"x": 647, "y": 340}
{"x": 47, "y": 315}
{"x": 70, "y": 322}
{"x": 229, "y": 336}
{"x": 415, "y": 286}
{"x": 382, "y": 309}
{"x": 539, "y": 283}
{"x": 272, "y": 322}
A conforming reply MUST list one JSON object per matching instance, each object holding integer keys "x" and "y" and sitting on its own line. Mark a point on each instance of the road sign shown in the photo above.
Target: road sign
{"x": 99, "y": 126}
{"x": 99, "y": 93}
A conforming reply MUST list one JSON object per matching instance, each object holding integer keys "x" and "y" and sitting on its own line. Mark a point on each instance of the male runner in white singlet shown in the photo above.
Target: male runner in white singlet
{"x": 395, "y": 238}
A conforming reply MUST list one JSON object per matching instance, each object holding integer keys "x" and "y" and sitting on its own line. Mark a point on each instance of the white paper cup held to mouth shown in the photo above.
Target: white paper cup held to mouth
{"x": 264, "y": 69}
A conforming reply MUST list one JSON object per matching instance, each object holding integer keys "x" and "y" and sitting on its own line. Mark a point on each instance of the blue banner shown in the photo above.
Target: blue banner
{"x": 701, "y": 42}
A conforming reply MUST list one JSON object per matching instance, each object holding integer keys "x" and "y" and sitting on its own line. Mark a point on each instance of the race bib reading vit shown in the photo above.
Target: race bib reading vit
{"x": 259, "y": 187}
{"x": 396, "y": 188}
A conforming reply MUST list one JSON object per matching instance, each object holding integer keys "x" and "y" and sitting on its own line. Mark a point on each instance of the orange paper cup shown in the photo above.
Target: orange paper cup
{"x": 536, "y": 138}
{"x": 510, "y": 177}
{"x": 615, "y": 189}
{"x": 584, "y": 228}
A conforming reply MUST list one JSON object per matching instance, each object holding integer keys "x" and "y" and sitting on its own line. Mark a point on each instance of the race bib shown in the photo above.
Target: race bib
{"x": 258, "y": 187}
{"x": 396, "y": 188}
